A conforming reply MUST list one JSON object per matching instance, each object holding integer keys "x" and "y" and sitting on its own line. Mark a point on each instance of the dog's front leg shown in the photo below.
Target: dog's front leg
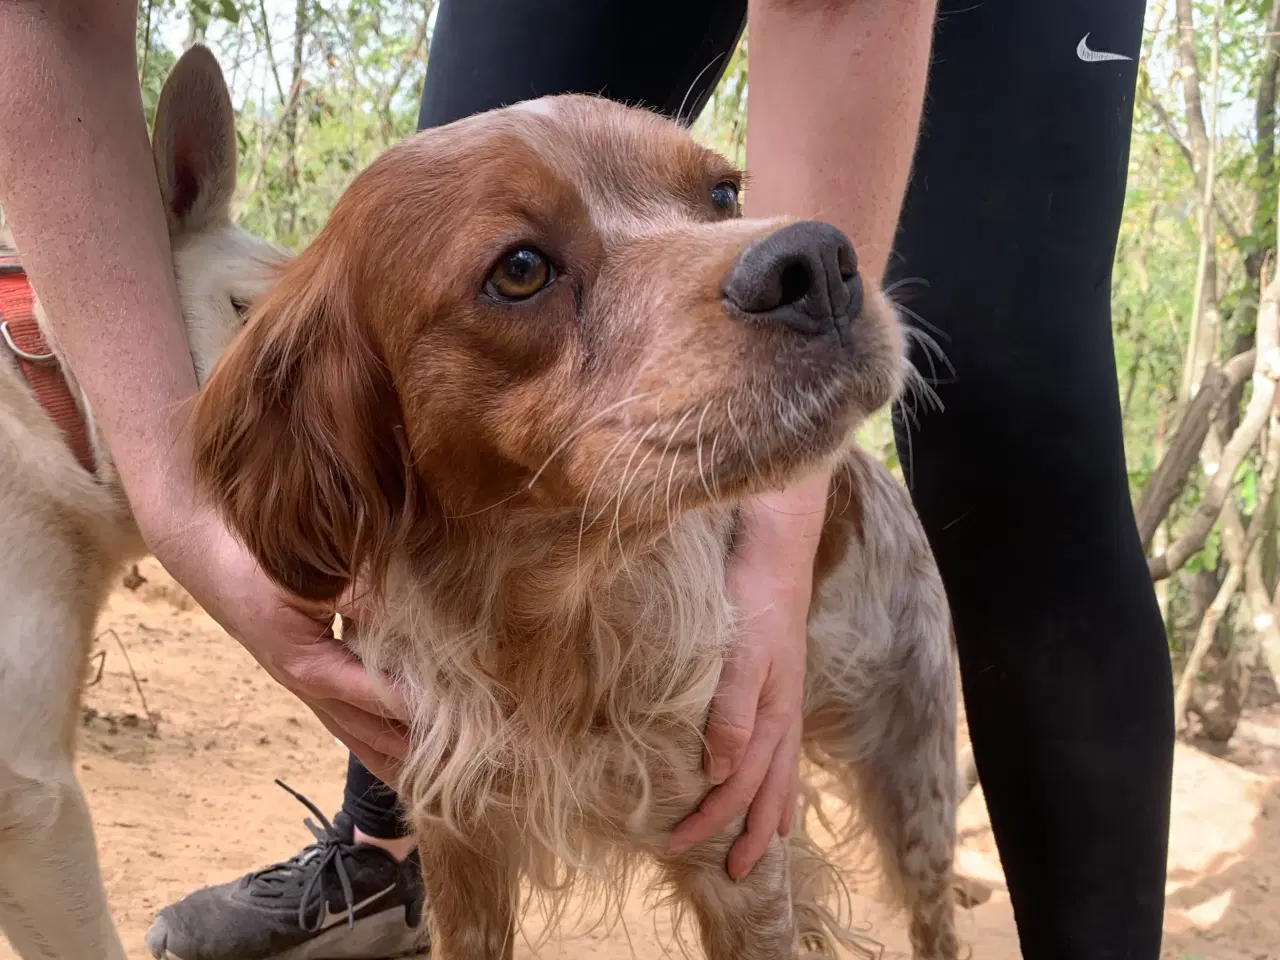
{"x": 747, "y": 919}
{"x": 472, "y": 895}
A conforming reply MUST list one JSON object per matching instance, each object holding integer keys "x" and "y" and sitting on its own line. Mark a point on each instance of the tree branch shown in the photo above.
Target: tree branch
{"x": 1204, "y": 640}
{"x": 389, "y": 91}
{"x": 271, "y": 54}
{"x": 1236, "y": 540}
{"x": 1238, "y": 545}
{"x": 146, "y": 44}
{"x": 1202, "y": 336}
{"x": 1189, "y": 70}
{"x": 1170, "y": 477}
{"x": 1225, "y": 215}
{"x": 269, "y": 143}
{"x": 1266, "y": 371}
{"x": 1265, "y": 136}
{"x": 1265, "y": 107}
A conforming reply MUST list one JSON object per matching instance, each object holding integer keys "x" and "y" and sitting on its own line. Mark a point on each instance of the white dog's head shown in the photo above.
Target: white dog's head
{"x": 220, "y": 268}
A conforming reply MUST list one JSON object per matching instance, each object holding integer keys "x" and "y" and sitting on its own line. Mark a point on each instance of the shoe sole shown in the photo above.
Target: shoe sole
{"x": 382, "y": 936}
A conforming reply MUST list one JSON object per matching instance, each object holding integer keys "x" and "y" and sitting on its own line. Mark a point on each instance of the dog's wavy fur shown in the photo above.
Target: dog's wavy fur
{"x": 540, "y": 501}
{"x": 65, "y": 536}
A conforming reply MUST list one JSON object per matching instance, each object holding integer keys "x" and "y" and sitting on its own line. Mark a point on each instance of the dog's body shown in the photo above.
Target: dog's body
{"x": 65, "y": 535}
{"x": 532, "y": 784}
{"x": 520, "y": 388}
{"x": 561, "y": 660}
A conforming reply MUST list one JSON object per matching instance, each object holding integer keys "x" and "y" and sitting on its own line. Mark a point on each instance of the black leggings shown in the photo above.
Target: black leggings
{"x": 1010, "y": 223}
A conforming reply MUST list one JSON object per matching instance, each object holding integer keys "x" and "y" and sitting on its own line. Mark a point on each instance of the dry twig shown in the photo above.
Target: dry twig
{"x": 152, "y": 724}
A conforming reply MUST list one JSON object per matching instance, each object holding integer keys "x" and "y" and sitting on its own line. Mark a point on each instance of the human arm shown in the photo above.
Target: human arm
{"x": 79, "y": 188}
{"x": 833, "y": 114}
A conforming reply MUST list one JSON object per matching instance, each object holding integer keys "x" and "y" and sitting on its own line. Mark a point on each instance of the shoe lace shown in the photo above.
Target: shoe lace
{"x": 313, "y": 862}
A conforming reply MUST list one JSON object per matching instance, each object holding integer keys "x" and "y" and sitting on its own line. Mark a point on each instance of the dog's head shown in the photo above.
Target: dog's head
{"x": 219, "y": 267}
{"x": 556, "y": 306}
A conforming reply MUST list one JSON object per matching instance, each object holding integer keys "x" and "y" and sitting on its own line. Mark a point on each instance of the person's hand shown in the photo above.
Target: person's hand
{"x": 753, "y": 732}
{"x": 291, "y": 639}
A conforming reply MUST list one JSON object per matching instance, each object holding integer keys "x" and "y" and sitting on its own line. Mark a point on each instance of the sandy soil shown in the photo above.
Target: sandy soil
{"x": 193, "y": 802}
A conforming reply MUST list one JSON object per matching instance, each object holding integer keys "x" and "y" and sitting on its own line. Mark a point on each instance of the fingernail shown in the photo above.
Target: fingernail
{"x": 676, "y": 846}
{"x": 716, "y": 772}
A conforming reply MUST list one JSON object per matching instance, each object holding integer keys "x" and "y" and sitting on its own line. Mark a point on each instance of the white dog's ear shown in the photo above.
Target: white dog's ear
{"x": 194, "y": 143}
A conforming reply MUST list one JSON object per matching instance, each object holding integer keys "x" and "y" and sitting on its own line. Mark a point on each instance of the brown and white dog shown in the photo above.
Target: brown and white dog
{"x": 518, "y": 387}
{"x": 66, "y": 531}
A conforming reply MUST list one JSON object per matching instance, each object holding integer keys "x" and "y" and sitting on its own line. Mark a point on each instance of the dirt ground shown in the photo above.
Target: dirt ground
{"x": 194, "y": 803}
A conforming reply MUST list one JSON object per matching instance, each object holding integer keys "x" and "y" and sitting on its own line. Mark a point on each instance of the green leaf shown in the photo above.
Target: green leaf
{"x": 1248, "y": 490}
{"x": 228, "y": 11}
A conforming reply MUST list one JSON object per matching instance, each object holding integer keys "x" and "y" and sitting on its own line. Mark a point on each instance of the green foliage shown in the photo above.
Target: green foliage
{"x": 722, "y": 124}
{"x": 155, "y": 57}
{"x": 321, "y": 88}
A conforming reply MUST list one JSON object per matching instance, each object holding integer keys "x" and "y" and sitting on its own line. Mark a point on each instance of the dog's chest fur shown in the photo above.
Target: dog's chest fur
{"x": 545, "y": 684}
{"x": 559, "y": 703}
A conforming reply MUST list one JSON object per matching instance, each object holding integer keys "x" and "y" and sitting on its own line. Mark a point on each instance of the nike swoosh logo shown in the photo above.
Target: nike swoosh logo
{"x": 333, "y": 917}
{"x": 1095, "y": 56}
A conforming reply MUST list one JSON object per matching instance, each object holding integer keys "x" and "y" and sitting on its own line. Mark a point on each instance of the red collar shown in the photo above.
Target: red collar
{"x": 20, "y": 333}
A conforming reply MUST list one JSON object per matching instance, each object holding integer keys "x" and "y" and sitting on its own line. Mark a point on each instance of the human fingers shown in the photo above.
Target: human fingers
{"x": 733, "y": 715}
{"x": 386, "y": 768}
{"x": 774, "y": 796}
{"x": 731, "y": 798}
{"x": 323, "y": 669}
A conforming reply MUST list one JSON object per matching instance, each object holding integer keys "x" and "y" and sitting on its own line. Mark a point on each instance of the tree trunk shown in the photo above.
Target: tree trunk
{"x": 294, "y": 120}
{"x": 1266, "y": 369}
{"x": 1204, "y": 640}
{"x": 1205, "y": 319}
{"x": 1167, "y": 481}
{"x": 1161, "y": 540}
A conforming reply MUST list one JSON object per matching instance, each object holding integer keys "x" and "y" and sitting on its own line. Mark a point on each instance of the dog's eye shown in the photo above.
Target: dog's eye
{"x": 724, "y": 196}
{"x": 518, "y": 275}
{"x": 241, "y": 307}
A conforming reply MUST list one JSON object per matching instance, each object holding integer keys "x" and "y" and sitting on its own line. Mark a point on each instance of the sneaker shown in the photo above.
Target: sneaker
{"x": 336, "y": 900}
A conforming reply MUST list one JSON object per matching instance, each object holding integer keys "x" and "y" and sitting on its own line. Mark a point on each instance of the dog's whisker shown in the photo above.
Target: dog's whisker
{"x": 915, "y": 316}
{"x": 743, "y": 439}
{"x": 656, "y": 484}
{"x": 671, "y": 437}
{"x": 652, "y": 487}
{"x": 715, "y": 481}
{"x": 917, "y": 386}
{"x": 609, "y": 500}
{"x": 475, "y": 513}
{"x": 640, "y": 466}
{"x": 908, "y": 463}
{"x": 680, "y": 117}
{"x": 789, "y": 412}
{"x": 586, "y": 502}
{"x": 623, "y": 484}
{"x": 905, "y": 282}
{"x": 702, "y": 477}
{"x": 559, "y": 448}
{"x": 930, "y": 349}
{"x": 666, "y": 500}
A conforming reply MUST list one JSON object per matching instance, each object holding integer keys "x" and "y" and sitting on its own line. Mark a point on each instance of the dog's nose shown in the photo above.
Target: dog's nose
{"x": 804, "y": 276}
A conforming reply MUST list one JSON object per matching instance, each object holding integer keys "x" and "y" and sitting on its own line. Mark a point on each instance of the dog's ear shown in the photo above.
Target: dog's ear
{"x": 194, "y": 143}
{"x": 298, "y": 437}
